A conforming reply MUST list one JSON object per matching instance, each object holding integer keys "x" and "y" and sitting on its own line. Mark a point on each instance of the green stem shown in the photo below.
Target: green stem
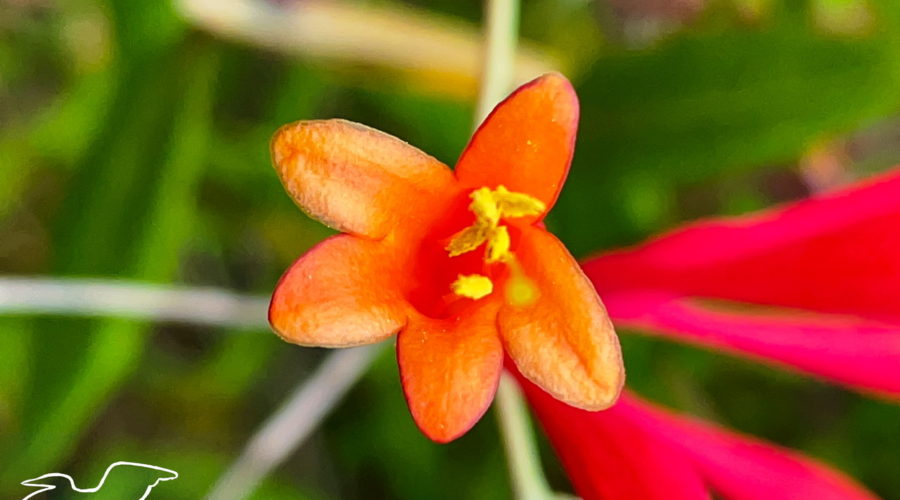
{"x": 501, "y": 33}
{"x": 525, "y": 471}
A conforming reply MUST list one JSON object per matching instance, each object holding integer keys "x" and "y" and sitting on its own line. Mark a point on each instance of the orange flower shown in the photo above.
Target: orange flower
{"x": 457, "y": 263}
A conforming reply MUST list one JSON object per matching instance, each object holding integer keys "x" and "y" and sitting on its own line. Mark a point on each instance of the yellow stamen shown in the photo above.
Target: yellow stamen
{"x": 498, "y": 246}
{"x": 485, "y": 207}
{"x": 473, "y": 286}
{"x": 468, "y": 239}
{"x": 517, "y": 204}
{"x": 489, "y": 207}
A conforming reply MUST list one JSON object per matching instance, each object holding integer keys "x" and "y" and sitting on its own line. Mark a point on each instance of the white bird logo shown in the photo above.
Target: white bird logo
{"x": 45, "y": 484}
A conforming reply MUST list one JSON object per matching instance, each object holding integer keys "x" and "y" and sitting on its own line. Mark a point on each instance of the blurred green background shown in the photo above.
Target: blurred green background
{"x": 134, "y": 144}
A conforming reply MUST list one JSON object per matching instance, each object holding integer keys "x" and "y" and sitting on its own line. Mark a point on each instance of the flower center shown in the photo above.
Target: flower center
{"x": 490, "y": 207}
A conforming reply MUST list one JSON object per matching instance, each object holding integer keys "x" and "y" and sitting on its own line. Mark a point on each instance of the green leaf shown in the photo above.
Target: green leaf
{"x": 78, "y": 364}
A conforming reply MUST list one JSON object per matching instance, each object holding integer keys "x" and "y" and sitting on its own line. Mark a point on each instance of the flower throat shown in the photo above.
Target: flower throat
{"x": 490, "y": 207}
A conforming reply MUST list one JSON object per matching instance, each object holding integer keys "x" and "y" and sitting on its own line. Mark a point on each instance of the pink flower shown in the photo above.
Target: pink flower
{"x": 826, "y": 269}
{"x": 641, "y": 452}
{"x": 813, "y": 286}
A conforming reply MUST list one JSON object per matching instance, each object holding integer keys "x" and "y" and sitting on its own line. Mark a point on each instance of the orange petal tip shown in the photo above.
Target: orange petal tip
{"x": 450, "y": 371}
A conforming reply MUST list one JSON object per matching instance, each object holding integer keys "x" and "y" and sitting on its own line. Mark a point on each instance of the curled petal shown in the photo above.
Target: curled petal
{"x": 740, "y": 467}
{"x": 635, "y": 450}
{"x": 608, "y": 456}
{"x": 340, "y": 294}
{"x": 563, "y": 341}
{"x": 836, "y": 253}
{"x": 849, "y": 350}
{"x": 357, "y": 179}
{"x": 450, "y": 370}
{"x": 526, "y": 143}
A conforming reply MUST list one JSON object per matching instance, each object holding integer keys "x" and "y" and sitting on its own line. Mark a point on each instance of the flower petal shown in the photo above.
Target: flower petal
{"x": 635, "y": 450}
{"x": 739, "y": 467}
{"x": 340, "y": 294}
{"x": 838, "y": 253}
{"x": 846, "y": 349}
{"x": 608, "y": 456}
{"x": 450, "y": 370}
{"x": 357, "y": 179}
{"x": 563, "y": 341}
{"x": 526, "y": 143}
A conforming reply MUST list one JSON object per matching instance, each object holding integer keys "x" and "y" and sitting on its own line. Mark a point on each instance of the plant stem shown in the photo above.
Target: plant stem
{"x": 286, "y": 430}
{"x": 132, "y": 300}
{"x": 501, "y": 33}
{"x": 522, "y": 454}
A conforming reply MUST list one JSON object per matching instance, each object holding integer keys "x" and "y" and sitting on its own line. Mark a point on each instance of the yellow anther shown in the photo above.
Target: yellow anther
{"x": 489, "y": 206}
{"x": 498, "y": 245}
{"x": 468, "y": 239}
{"x": 473, "y": 286}
{"x": 484, "y": 206}
{"x": 517, "y": 204}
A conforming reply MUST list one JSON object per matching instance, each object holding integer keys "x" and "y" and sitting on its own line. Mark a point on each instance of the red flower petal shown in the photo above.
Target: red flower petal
{"x": 610, "y": 457}
{"x": 357, "y": 179}
{"x": 838, "y": 253}
{"x": 450, "y": 370}
{"x": 846, "y": 349}
{"x": 563, "y": 341}
{"x": 635, "y": 450}
{"x": 740, "y": 467}
{"x": 526, "y": 143}
{"x": 339, "y": 294}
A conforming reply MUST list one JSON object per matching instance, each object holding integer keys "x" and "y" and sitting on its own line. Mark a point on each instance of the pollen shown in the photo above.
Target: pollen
{"x": 473, "y": 286}
{"x": 485, "y": 206}
{"x": 498, "y": 246}
{"x": 517, "y": 204}
{"x": 489, "y": 207}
